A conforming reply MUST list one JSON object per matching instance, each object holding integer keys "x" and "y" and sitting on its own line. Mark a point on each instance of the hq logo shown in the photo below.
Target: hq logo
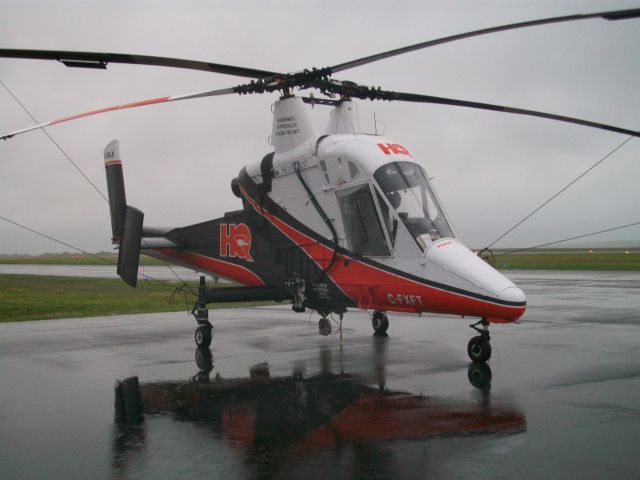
{"x": 235, "y": 241}
{"x": 394, "y": 148}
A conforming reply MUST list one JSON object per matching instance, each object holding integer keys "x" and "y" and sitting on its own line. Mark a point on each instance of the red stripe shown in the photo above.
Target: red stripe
{"x": 390, "y": 292}
{"x": 228, "y": 270}
{"x": 112, "y": 162}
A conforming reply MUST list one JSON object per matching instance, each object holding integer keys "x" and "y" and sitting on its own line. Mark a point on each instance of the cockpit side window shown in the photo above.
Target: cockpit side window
{"x": 353, "y": 170}
{"x": 361, "y": 222}
{"x": 388, "y": 218}
{"x": 406, "y": 187}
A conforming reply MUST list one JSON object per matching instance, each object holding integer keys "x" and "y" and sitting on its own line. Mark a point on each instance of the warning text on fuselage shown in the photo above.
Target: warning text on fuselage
{"x": 287, "y": 126}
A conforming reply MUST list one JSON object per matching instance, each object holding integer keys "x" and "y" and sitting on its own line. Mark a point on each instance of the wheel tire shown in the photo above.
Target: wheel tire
{"x": 203, "y": 336}
{"x": 479, "y": 349}
{"x": 380, "y": 322}
{"x": 324, "y": 327}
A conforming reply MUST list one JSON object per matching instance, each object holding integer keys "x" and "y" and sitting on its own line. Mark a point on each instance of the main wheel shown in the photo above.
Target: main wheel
{"x": 324, "y": 327}
{"x": 479, "y": 349}
{"x": 380, "y": 321}
{"x": 203, "y": 336}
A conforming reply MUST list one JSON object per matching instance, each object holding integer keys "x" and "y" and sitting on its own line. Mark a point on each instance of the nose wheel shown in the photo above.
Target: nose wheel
{"x": 479, "y": 347}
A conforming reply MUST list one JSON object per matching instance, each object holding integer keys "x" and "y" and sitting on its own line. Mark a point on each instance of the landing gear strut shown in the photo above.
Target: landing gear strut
{"x": 201, "y": 313}
{"x": 380, "y": 321}
{"x": 479, "y": 348}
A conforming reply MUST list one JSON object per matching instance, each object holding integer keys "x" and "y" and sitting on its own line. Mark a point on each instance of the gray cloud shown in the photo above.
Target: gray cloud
{"x": 490, "y": 169}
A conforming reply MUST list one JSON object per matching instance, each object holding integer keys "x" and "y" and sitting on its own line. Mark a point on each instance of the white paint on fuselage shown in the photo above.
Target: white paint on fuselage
{"x": 324, "y": 165}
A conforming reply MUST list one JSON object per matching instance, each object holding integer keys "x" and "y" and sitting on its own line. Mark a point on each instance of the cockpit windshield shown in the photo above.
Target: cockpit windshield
{"x": 405, "y": 186}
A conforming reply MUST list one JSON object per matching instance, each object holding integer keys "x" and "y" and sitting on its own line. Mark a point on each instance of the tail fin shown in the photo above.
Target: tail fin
{"x": 115, "y": 188}
{"x": 129, "y": 252}
{"x": 126, "y": 221}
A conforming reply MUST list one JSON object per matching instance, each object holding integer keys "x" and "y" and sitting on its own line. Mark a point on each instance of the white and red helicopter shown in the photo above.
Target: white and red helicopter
{"x": 330, "y": 219}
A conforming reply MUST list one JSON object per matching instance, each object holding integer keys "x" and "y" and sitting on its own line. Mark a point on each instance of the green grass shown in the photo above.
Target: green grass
{"x": 26, "y": 297}
{"x": 72, "y": 259}
{"x": 570, "y": 260}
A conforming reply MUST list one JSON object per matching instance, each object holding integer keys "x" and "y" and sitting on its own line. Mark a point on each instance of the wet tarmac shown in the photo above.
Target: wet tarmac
{"x": 131, "y": 397}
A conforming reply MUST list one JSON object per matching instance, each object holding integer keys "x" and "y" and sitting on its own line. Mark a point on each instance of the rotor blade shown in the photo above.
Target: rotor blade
{"x": 611, "y": 15}
{"x": 151, "y": 101}
{"x": 100, "y": 60}
{"x": 413, "y": 97}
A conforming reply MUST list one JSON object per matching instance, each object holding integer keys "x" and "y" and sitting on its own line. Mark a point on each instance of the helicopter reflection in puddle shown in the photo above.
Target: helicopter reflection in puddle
{"x": 273, "y": 421}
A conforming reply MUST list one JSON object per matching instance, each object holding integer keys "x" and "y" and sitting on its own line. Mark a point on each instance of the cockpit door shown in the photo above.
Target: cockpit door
{"x": 361, "y": 219}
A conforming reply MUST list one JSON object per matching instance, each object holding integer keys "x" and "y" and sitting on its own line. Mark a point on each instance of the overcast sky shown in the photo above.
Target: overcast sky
{"x": 490, "y": 169}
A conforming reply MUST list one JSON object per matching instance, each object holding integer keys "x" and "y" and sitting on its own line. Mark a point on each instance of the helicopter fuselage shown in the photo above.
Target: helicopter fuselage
{"x": 354, "y": 220}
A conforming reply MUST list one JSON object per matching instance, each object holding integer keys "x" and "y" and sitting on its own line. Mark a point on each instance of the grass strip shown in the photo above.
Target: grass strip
{"x": 606, "y": 261}
{"x": 34, "y": 297}
{"x": 72, "y": 259}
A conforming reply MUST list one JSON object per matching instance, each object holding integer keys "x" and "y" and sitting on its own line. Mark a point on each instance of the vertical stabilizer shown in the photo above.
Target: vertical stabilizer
{"x": 292, "y": 124}
{"x": 129, "y": 252}
{"x": 115, "y": 188}
{"x": 126, "y": 221}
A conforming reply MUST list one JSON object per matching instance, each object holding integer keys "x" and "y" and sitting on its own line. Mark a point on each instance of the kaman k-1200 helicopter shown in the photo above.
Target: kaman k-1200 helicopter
{"x": 330, "y": 220}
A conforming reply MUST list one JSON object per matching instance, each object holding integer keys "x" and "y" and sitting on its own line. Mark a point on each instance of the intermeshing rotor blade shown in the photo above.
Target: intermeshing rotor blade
{"x": 611, "y": 15}
{"x": 413, "y": 97}
{"x": 151, "y": 101}
{"x": 100, "y": 60}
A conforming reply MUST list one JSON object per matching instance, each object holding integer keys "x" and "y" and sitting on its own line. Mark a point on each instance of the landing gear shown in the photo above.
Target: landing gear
{"x": 479, "y": 348}
{"x": 380, "y": 321}
{"x": 324, "y": 326}
{"x": 297, "y": 287}
{"x": 203, "y": 336}
{"x": 201, "y": 313}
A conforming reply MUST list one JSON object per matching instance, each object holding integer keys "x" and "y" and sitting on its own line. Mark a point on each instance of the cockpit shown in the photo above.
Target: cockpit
{"x": 401, "y": 193}
{"x": 409, "y": 193}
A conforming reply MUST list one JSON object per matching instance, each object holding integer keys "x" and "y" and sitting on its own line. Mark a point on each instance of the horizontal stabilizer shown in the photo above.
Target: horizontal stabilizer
{"x": 154, "y": 243}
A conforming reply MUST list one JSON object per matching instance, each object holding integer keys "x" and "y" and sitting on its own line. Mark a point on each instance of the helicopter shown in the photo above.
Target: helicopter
{"x": 330, "y": 219}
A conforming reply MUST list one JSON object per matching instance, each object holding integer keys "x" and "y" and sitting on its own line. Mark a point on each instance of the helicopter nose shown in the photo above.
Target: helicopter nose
{"x": 457, "y": 259}
{"x": 512, "y": 294}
